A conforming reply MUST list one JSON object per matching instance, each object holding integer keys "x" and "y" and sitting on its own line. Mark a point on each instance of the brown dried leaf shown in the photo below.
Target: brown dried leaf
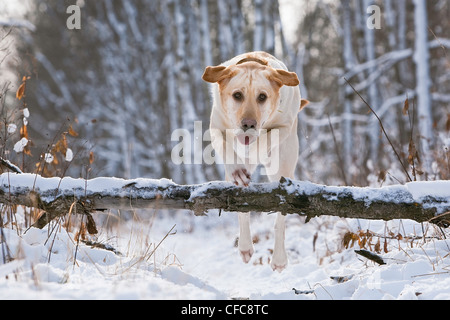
{"x": 27, "y": 150}
{"x": 412, "y": 153}
{"x": 24, "y": 132}
{"x": 91, "y": 157}
{"x": 348, "y": 237}
{"x": 61, "y": 145}
{"x": 81, "y": 233}
{"x": 91, "y": 226}
{"x": 72, "y": 132}
{"x": 382, "y": 175}
{"x": 315, "y": 240}
{"x": 378, "y": 246}
{"x": 362, "y": 242}
{"x": 405, "y": 107}
{"x": 21, "y": 91}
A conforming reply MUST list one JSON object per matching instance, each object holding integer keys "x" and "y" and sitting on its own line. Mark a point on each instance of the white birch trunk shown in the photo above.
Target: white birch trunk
{"x": 171, "y": 91}
{"x": 374, "y": 129}
{"x": 259, "y": 25}
{"x": 390, "y": 22}
{"x": 269, "y": 23}
{"x": 237, "y": 27}
{"x": 360, "y": 24}
{"x": 404, "y": 73}
{"x": 421, "y": 59}
{"x": 186, "y": 86}
{"x": 224, "y": 30}
{"x": 348, "y": 64}
{"x": 206, "y": 39}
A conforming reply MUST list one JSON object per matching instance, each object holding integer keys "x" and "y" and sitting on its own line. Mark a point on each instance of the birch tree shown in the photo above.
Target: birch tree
{"x": 374, "y": 131}
{"x": 224, "y": 34}
{"x": 348, "y": 64}
{"x": 258, "y": 34}
{"x": 421, "y": 59}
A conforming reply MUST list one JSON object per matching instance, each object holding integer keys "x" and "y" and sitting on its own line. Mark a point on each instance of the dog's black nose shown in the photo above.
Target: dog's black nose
{"x": 248, "y": 124}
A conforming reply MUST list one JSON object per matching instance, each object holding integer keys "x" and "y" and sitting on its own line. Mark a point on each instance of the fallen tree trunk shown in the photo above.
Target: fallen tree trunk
{"x": 419, "y": 201}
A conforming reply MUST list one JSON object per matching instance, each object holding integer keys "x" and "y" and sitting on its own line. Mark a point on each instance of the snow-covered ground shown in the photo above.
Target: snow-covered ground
{"x": 198, "y": 260}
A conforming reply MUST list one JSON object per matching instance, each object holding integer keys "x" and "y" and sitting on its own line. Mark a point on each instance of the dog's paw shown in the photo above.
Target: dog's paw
{"x": 278, "y": 268}
{"x": 241, "y": 177}
{"x": 279, "y": 262}
{"x": 246, "y": 255}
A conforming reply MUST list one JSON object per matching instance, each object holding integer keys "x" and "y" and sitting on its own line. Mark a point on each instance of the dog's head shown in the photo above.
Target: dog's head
{"x": 250, "y": 94}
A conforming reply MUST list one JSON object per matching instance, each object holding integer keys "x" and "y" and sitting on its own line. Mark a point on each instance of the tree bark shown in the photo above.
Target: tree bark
{"x": 258, "y": 34}
{"x": 374, "y": 94}
{"x": 422, "y": 61}
{"x": 349, "y": 62}
{"x": 57, "y": 197}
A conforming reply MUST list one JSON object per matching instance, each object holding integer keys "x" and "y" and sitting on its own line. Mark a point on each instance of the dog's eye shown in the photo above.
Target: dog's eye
{"x": 238, "y": 96}
{"x": 262, "y": 97}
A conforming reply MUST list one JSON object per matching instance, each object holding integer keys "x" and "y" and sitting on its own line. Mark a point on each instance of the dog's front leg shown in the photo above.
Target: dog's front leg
{"x": 282, "y": 167}
{"x": 245, "y": 243}
{"x": 279, "y": 258}
{"x": 240, "y": 175}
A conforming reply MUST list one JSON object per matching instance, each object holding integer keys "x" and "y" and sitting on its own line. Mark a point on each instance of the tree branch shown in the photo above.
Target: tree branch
{"x": 59, "y": 196}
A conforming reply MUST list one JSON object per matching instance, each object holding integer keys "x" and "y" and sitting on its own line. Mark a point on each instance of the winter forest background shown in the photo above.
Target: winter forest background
{"x": 131, "y": 75}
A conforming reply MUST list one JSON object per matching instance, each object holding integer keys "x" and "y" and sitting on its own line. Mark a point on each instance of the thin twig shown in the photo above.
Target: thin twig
{"x": 439, "y": 41}
{"x": 382, "y": 128}
{"x": 341, "y": 162}
{"x": 168, "y": 233}
{"x": 78, "y": 241}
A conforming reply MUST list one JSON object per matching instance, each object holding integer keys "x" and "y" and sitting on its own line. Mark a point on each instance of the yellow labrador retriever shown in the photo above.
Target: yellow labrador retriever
{"x": 256, "y": 101}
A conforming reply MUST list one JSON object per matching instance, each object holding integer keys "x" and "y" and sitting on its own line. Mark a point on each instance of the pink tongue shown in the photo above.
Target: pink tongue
{"x": 245, "y": 140}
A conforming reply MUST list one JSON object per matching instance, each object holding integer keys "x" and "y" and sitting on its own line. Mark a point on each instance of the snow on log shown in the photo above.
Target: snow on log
{"x": 419, "y": 201}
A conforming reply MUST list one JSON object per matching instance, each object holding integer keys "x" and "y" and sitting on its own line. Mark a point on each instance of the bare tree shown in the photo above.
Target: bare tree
{"x": 421, "y": 59}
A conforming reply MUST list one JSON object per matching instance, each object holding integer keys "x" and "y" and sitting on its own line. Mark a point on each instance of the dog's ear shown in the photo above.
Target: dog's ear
{"x": 303, "y": 104}
{"x": 217, "y": 74}
{"x": 284, "y": 78}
